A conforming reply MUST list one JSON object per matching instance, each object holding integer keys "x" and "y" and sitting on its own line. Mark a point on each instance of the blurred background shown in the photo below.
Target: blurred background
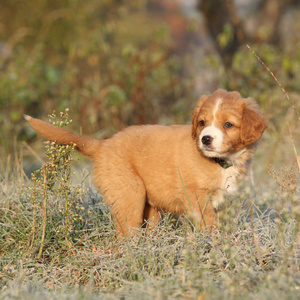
{"x": 116, "y": 63}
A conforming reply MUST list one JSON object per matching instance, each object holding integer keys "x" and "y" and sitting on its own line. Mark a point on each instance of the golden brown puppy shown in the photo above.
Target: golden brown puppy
{"x": 181, "y": 168}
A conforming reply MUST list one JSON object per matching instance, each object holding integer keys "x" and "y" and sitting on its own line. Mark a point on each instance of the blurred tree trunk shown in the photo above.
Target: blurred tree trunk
{"x": 269, "y": 16}
{"x": 218, "y": 15}
{"x": 222, "y": 20}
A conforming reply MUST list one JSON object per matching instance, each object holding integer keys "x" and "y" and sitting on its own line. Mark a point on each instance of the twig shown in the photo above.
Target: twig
{"x": 44, "y": 211}
{"x": 277, "y": 81}
{"x": 294, "y": 147}
{"x": 255, "y": 238}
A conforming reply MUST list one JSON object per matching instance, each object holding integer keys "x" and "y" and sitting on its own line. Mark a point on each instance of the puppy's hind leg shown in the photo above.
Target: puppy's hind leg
{"x": 151, "y": 216}
{"x": 128, "y": 204}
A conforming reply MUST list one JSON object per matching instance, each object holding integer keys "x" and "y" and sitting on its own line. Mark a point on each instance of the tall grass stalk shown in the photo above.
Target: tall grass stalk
{"x": 44, "y": 211}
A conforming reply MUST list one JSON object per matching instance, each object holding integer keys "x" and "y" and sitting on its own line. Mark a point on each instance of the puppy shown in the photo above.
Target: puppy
{"x": 144, "y": 170}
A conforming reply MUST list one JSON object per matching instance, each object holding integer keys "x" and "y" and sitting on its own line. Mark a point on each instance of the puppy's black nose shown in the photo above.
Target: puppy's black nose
{"x": 207, "y": 140}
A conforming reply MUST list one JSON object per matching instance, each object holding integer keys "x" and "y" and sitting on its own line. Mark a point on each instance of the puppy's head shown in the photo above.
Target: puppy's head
{"x": 225, "y": 123}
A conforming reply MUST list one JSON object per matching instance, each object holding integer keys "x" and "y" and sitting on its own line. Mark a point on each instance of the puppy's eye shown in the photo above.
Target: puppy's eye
{"x": 202, "y": 123}
{"x": 228, "y": 125}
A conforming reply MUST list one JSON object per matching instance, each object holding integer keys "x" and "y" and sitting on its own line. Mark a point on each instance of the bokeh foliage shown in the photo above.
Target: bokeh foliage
{"x": 88, "y": 56}
{"x": 113, "y": 63}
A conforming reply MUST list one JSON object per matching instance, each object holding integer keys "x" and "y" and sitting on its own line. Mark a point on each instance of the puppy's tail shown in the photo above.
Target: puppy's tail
{"x": 85, "y": 145}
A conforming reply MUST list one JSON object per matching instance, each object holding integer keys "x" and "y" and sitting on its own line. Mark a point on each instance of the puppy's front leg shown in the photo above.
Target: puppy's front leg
{"x": 230, "y": 179}
{"x": 204, "y": 216}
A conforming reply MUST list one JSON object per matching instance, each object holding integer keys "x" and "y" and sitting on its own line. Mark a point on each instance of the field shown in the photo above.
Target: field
{"x": 58, "y": 242}
{"x": 57, "y": 238}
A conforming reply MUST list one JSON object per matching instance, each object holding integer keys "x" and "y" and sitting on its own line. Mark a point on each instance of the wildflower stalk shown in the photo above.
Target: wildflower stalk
{"x": 51, "y": 196}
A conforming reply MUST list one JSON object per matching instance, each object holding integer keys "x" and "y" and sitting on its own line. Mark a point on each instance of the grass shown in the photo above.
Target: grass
{"x": 57, "y": 241}
{"x": 245, "y": 260}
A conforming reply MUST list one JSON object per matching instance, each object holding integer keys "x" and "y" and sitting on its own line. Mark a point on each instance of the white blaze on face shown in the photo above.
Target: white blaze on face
{"x": 215, "y": 147}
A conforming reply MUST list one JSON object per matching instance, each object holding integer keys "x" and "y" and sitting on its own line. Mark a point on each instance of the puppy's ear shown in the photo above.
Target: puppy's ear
{"x": 196, "y": 114}
{"x": 253, "y": 123}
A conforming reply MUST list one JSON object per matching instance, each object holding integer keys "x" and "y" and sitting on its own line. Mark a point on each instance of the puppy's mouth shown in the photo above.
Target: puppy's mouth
{"x": 210, "y": 151}
{"x": 212, "y": 154}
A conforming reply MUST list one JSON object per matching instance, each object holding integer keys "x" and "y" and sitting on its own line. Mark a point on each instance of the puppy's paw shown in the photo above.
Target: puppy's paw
{"x": 230, "y": 183}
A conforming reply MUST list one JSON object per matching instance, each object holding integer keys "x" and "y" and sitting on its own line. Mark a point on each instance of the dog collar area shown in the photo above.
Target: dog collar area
{"x": 222, "y": 162}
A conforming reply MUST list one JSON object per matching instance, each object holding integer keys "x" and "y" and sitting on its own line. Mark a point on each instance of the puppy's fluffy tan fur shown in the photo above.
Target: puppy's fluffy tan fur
{"x": 145, "y": 169}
